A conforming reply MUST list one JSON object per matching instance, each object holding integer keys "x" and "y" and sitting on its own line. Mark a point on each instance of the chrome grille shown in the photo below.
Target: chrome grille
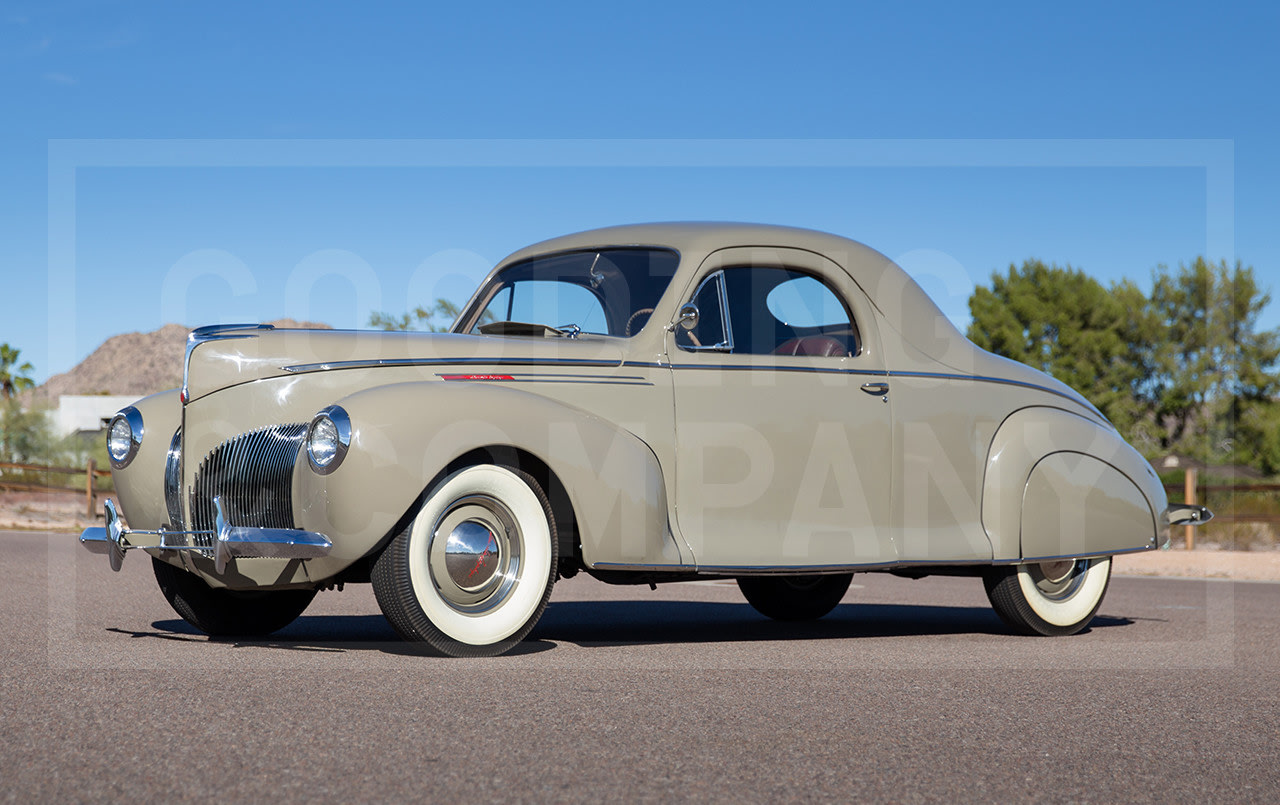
{"x": 173, "y": 481}
{"x": 252, "y": 475}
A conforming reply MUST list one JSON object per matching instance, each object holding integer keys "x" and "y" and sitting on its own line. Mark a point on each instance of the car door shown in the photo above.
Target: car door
{"x": 783, "y": 431}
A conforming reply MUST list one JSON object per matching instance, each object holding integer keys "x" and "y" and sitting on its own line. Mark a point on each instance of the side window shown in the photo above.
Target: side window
{"x": 781, "y": 311}
{"x": 711, "y": 331}
{"x": 804, "y": 302}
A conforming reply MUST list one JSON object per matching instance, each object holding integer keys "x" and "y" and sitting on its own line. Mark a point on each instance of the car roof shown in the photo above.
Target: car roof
{"x": 897, "y": 296}
{"x": 699, "y": 236}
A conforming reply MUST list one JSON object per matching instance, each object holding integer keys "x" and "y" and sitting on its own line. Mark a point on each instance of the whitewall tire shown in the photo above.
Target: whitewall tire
{"x": 1049, "y": 598}
{"x": 473, "y": 572}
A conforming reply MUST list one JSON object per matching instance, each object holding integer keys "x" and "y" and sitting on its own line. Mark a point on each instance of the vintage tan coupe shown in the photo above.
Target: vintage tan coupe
{"x": 646, "y": 403}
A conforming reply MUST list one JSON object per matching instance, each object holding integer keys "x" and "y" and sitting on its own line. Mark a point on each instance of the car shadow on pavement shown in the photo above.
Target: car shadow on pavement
{"x": 604, "y": 623}
{"x": 320, "y": 633}
{"x": 617, "y": 623}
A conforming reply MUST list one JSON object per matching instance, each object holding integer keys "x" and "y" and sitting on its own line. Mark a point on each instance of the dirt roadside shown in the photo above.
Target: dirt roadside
{"x": 29, "y": 511}
{"x": 1202, "y": 564}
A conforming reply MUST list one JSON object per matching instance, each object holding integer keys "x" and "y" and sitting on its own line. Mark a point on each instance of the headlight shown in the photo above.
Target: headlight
{"x": 124, "y": 436}
{"x": 328, "y": 438}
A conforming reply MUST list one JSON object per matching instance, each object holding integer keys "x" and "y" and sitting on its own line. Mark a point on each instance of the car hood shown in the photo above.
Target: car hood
{"x": 230, "y": 357}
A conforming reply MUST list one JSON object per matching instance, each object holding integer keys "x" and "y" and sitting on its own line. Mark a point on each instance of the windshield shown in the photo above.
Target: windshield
{"x": 607, "y": 292}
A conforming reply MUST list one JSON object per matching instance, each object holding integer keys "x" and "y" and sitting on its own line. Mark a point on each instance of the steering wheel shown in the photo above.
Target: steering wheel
{"x": 626, "y": 331}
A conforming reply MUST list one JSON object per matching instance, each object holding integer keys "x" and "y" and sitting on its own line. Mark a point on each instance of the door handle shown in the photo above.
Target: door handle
{"x": 876, "y": 389}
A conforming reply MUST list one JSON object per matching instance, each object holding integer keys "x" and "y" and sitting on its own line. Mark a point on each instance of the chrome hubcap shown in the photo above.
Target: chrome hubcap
{"x": 1059, "y": 580}
{"x": 475, "y": 552}
{"x": 471, "y": 555}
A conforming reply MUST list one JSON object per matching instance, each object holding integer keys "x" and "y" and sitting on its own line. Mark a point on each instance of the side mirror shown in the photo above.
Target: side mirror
{"x": 688, "y": 317}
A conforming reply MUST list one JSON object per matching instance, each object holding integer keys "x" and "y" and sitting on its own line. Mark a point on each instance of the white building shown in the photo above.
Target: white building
{"x": 87, "y": 413}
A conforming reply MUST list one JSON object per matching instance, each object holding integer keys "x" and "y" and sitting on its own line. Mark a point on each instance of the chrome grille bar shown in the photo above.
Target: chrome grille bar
{"x": 252, "y": 475}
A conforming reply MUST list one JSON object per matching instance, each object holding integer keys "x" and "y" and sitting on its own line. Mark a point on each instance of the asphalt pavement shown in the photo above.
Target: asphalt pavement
{"x": 910, "y": 691}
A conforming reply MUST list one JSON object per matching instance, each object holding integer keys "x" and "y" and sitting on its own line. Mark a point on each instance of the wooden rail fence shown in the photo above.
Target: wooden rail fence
{"x": 89, "y": 472}
{"x": 1194, "y": 492}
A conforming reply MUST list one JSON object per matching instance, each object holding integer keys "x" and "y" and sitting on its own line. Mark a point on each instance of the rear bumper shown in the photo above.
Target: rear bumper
{"x": 225, "y": 542}
{"x": 1183, "y": 514}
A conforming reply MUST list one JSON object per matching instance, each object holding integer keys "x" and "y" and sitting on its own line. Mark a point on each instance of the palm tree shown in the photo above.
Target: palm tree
{"x": 13, "y": 376}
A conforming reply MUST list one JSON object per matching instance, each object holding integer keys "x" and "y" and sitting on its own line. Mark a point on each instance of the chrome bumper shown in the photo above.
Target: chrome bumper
{"x": 1183, "y": 514}
{"x": 228, "y": 540}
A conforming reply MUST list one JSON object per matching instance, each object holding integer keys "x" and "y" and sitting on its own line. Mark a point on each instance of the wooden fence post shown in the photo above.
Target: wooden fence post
{"x": 1189, "y": 498}
{"x": 88, "y": 487}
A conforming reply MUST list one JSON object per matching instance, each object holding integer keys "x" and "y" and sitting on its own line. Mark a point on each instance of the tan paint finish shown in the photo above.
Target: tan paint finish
{"x": 823, "y": 474}
{"x": 783, "y": 460}
{"x": 1075, "y": 503}
{"x": 1028, "y": 436}
{"x": 140, "y": 492}
{"x": 613, "y": 478}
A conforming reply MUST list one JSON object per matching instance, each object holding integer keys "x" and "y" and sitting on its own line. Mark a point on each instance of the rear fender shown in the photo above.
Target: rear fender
{"x": 1059, "y": 484}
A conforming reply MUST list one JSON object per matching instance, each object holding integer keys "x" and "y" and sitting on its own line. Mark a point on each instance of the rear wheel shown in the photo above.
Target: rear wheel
{"x": 1049, "y": 598}
{"x": 473, "y": 572}
{"x": 794, "y": 598}
{"x": 228, "y": 613}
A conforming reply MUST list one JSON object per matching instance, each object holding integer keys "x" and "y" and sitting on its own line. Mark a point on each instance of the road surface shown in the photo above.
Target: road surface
{"x": 909, "y": 691}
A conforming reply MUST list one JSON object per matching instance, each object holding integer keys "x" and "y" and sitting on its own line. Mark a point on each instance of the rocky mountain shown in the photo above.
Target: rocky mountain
{"x": 134, "y": 363}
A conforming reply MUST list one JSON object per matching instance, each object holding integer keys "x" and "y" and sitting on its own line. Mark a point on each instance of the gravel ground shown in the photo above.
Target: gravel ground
{"x": 44, "y": 511}
{"x": 1202, "y": 564}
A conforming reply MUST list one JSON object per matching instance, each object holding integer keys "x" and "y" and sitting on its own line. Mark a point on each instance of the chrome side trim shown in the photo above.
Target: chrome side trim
{"x": 754, "y": 570}
{"x": 229, "y": 541}
{"x": 743, "y": 367}
{"x": 783, "y": 570}
{"x": 524, "y": 377}
{"x": 1027, "y": 560}
{"x": 212, "y": 332}
{"x": 881, "y": 373}
{"x": 645, "y": 568}
{"x": 374, "y": 363}
{"x": 787, "y": 570}
{"x": 1001, "y": 380}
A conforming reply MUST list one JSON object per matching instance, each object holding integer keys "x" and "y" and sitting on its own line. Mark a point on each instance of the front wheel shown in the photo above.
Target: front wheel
{"x": 1049, "y": 598}
{"x": 794, "y": 598}
{"x": 220, "y": 612}
{"x": 473, "y": 572}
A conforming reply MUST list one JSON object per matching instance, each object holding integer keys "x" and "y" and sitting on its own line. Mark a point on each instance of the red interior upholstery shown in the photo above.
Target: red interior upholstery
{"x": 820, "y": 346}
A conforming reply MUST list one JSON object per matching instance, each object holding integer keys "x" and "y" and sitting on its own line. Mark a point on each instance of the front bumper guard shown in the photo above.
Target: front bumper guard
{"x": 228, "y": 541}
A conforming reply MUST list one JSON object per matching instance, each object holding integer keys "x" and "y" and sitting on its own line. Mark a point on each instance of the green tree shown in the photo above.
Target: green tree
{"x": 1064, "y": 322}
{"x": 1185, "y": 370}
{"x": 26, "y": 436}
{"x": 437, "y": 318}
{"x": 13, "y": 376}
{"x": 1216, "y": 377}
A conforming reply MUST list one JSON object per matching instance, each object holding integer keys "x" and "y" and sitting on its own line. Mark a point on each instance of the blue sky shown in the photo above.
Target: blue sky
{"x": 222, "y": 162}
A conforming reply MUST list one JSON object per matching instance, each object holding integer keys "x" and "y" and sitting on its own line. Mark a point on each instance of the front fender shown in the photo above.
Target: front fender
{"x": 404, "y": 435}
{"x": 140, "y": 486}
{"x": 1059, "y": 484}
